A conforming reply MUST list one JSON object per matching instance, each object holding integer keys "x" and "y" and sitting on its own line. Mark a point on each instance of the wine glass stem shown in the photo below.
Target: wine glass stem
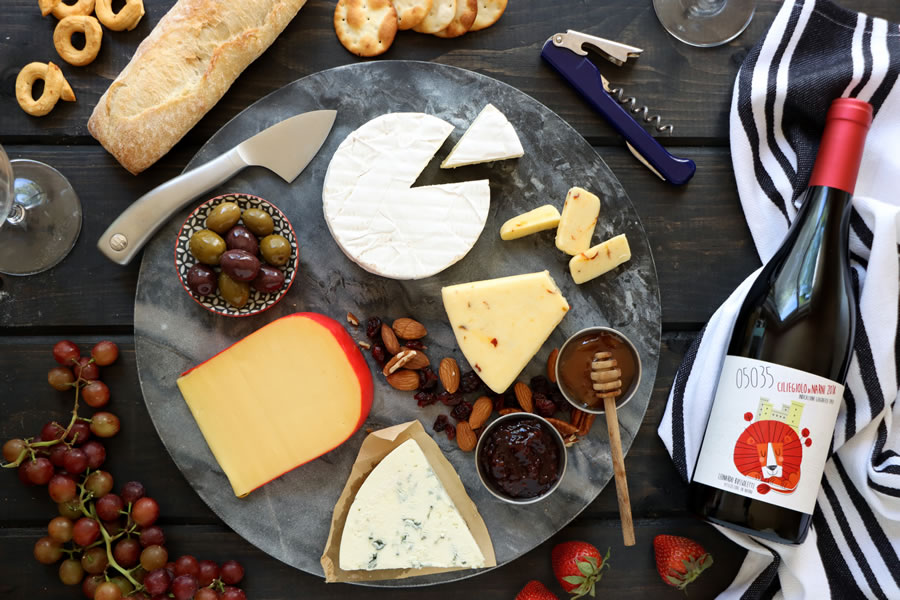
{"x": 16, "y": 214}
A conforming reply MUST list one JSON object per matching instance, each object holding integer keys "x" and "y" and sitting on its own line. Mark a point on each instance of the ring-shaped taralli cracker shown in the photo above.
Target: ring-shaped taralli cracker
{"x": 55, "y": 87}
{"x": 47, "y": 6}
{"x": 61, "y": 10}
{"x": 62, "y": 39}
{"x": 125, "y": 19}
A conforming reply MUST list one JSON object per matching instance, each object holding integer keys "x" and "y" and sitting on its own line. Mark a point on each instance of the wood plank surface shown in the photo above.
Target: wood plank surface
{"x": 697, "y": 234}
{"x": 690, "y": 88}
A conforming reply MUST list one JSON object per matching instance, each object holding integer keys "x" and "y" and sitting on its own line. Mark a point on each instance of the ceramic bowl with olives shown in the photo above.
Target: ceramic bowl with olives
{"x": 236, "y": 255}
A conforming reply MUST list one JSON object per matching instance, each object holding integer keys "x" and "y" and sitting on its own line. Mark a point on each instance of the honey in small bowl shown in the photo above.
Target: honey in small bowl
{"x": 573, "y": 366}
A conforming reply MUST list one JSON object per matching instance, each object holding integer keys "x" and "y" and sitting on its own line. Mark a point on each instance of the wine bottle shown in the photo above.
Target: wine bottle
{"x": 770, "y": 427}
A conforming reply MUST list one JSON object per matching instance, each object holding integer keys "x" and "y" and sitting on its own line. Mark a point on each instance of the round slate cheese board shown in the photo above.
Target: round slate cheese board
{"x": 289, "y": 517}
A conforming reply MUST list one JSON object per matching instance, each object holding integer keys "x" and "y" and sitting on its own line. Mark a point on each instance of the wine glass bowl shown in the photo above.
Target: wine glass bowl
{"x": 704, "y": 23}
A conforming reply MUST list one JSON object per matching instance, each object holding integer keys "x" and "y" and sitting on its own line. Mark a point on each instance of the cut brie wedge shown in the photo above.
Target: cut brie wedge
{"x": 490, "y": 137}
{"x": 403, "y": 518}
{"x": 382, "y": 223}
{"x": 500, "y": 324}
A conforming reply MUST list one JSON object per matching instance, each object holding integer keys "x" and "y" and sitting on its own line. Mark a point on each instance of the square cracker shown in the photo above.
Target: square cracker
{"x": 489, "y": 12}
{"x": 411, "y": 12}
{"x": 440, "y": 15}
{"x": 365, "y": 27}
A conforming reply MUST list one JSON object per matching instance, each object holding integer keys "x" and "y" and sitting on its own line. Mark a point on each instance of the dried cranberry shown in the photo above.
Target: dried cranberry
{"x": 373, "y": 328}
{"x": 498, "y": 402}
{"x": 428, "y": 379}
{"x": 415, "y": 345}
{"x": 450, "y": 431}
{"x": 379, "y": 354}
{"x": 540, "y": 385}
{"x": 509, "y": 399}
{"x": 543, "y": 405}
{"x": 425, "y": 398}
{"x": 470, "y": 382}
{"x": 461, "y": 411}
{"x": 440, "y": 423}
{"x": 449, "y": 399}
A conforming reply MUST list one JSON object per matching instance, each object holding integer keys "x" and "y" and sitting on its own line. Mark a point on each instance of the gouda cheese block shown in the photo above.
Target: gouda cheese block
{"x": 600, "y": 259}
{"x": 500, "y": 324}
{"x": 539, "y": 219}
{"x": 576, "y": 224}
{"x": 282, "y": 396}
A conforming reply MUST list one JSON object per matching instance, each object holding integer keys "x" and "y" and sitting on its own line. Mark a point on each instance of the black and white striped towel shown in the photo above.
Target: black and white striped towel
{"x": 815, "y": 52}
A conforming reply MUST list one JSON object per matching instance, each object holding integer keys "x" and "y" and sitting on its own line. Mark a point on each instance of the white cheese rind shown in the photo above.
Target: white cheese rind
{"x": 403, "y": 518}
{"x": 540, "y": 219}
{"x": 577, "y": 222}
{"x": 600, "y": 259}
{"x": 500, "y": 324}
{"x": 489, "y": 138}
{"x": 382, "y": 223}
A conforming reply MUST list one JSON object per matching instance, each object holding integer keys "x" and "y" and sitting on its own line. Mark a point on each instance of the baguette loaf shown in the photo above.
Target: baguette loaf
{"x": 180, "y": 71}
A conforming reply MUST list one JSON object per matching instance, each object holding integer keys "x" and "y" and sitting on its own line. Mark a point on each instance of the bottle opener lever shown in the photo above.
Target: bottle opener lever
{"x": 565, "y": 53}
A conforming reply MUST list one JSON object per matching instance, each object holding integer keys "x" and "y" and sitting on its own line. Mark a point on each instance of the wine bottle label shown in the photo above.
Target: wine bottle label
{"x": 768, "y": 433}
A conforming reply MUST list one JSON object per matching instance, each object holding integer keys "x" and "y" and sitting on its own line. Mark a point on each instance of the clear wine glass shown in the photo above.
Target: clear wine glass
{"x": 704, "y": 23}
{"x": 40, "y": 216}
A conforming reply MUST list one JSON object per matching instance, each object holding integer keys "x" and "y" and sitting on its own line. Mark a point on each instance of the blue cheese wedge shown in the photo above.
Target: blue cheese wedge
{"x": 403, "y": 518}
{"x": 489, "y": 138}
{"x": 500, "y": 324}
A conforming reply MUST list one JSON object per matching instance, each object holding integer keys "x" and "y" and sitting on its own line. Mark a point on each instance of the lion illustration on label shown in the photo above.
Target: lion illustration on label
{"x": 771, "y": 448}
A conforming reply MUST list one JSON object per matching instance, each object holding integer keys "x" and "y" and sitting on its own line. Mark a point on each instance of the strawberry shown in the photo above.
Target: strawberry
{"x": 535, "y": 590}
{"x": 679, "y": 560}
{"x": 578, "y": 566}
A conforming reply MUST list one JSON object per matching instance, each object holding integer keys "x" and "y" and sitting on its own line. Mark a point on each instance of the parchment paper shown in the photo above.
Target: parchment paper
{"x": 375, "y": 447}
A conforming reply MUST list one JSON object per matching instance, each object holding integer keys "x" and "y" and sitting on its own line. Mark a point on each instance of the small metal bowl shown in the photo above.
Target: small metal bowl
{"x": 563, "y": 460}
{"x": 258, "y": 301}
{"x": 635, "y": 384}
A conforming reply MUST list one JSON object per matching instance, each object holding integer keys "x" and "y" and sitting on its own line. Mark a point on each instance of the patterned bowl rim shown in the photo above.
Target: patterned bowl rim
{"x": 296, "y": 247}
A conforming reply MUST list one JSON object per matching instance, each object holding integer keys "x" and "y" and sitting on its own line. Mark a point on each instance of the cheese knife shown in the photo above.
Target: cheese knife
{"x": 284, "y": 148}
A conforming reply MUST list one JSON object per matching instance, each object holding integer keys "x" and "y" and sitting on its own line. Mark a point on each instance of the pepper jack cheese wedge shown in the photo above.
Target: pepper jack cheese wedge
{"x": 600, "y": 259}
{"x": 403, "y": 518}
{"x": 282, "y": 396}
{"x": 539, "y": 219}
{"x": 576, "y": 225}
{"x": 500, "y": 324}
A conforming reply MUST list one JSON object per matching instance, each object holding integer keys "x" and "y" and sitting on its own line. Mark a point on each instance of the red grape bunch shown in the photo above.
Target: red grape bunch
{"x": 108, "y": 543}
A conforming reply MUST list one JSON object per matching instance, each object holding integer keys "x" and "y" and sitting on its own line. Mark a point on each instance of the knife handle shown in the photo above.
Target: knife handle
{"x": 586, "y": 78}
{"x": 127, "y": 235}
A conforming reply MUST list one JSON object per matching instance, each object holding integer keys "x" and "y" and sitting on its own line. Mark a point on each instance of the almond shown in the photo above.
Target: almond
{"x": 390, "y": 340}
{"x": 566, "y": 429}
{"x": 523, "y": 395}
{"x": 404, "y": 380}
{"x": 551, "y": 365}
{"x": 448, "y": 371}
{"x": 465, "y": 437}
{"x": 401, "y": 359}
{"x": 409, "y": 329}
{"x": 418, "y": 361}
{"x": 481, "y": 412}
{"x": 507, "y": 411}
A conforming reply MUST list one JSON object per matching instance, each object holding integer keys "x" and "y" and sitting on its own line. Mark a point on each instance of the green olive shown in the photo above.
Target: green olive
{"x": 236, "y": 293}
{"x": 207, "y": 246}
{"x": 275, "y": 250}
{"x": 258, "y": 221}
{"x": 223, "y": 217}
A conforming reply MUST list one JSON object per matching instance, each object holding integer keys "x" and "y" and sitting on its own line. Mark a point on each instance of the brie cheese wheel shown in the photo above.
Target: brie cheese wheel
{"x": 384, "y": 224}
{"x": 403, "y": 518}
{"x": 490, "y": 137}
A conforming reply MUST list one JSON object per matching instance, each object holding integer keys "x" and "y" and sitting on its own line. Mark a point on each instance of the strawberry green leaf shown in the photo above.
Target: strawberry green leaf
{"x": 585, "y": 568}
{"x": 573, "y": 579}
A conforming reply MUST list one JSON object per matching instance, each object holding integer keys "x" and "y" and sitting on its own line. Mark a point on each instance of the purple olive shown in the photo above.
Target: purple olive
{"x": 202, "y": 280}
{"x": 240, "y": 238}
{"x": 240, "y": 265}
{"x": 269, "y": 280}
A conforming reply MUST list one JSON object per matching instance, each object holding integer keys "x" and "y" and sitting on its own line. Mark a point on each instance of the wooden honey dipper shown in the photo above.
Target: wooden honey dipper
{"x": 607, "y": 378}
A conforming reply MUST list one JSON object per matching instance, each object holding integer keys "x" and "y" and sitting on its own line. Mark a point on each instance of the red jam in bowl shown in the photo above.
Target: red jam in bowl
{"x": 520, "y": 458}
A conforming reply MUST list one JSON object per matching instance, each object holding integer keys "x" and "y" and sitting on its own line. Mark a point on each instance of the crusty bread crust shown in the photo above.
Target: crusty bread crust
{"x": 180, "y": 71}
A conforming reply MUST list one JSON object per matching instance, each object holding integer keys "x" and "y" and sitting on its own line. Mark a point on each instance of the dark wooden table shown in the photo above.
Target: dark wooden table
{"x": 699, "y": 238}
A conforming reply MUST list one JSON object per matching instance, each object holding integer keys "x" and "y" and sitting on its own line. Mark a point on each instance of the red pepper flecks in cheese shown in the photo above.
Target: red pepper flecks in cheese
{"x": 281, "y": 397}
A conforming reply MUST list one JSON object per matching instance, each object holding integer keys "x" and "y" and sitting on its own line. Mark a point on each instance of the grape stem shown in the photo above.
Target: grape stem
{"x": 111, "y": 559}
